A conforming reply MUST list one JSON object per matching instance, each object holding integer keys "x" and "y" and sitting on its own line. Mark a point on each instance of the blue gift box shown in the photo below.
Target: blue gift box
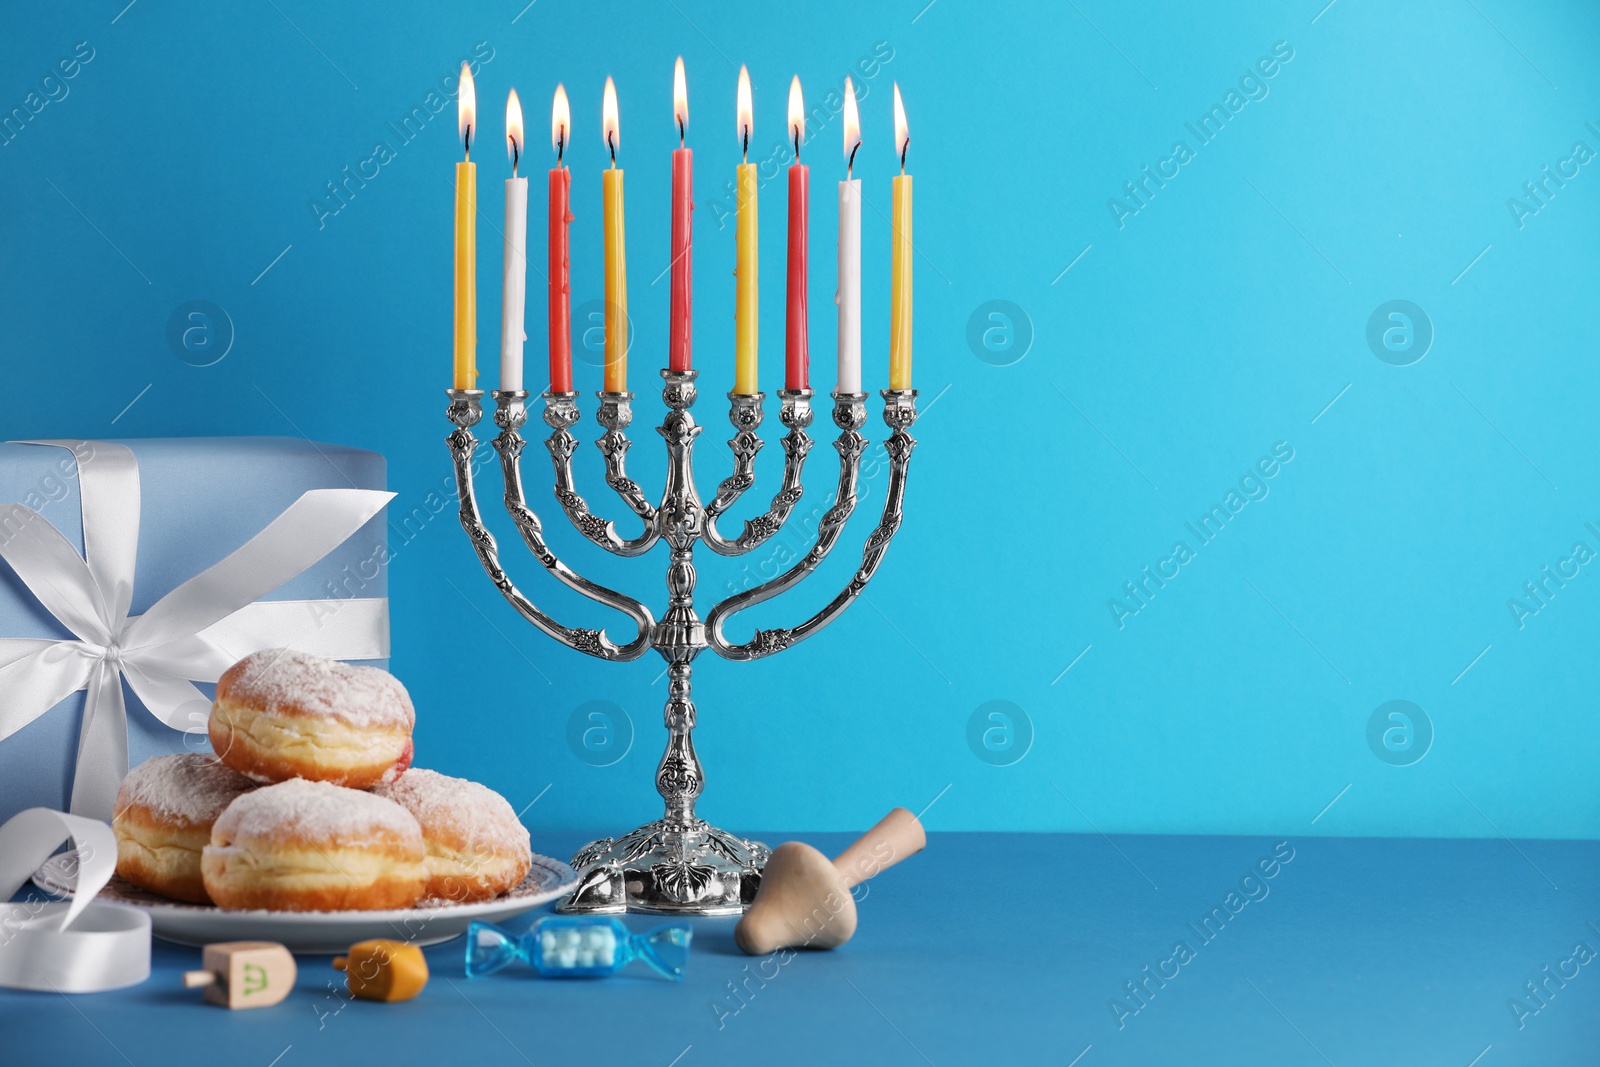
{"x": 200, "y": 499}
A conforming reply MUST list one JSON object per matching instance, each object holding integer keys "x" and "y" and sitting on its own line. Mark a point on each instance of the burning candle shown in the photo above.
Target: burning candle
{"x": 679, "y": 357}
{"x": 466, "y": 282}
{"x": 797, "y": 371}
{"x": 849, "y": 295}
{"x": 616, "y": 376}
{"x": 514, "y": 272}
{"x": 900, "y": 265}
{"x": 560, "y": 291}
{"x": 745, "y": 321}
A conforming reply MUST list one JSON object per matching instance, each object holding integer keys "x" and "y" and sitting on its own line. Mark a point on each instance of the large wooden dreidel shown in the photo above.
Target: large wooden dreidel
{"x": 244, "y": 974}
{"x": 804, "y": 900}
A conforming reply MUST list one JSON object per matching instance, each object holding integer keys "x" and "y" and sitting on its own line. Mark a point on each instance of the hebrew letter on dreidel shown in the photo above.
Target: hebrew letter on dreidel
{"x": 244, "y": 974}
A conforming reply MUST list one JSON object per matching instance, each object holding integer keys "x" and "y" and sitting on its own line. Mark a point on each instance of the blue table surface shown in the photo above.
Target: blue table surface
{"x": 990, "y": 949}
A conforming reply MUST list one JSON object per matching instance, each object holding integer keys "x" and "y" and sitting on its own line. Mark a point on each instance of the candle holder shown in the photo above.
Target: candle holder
{"x": 680, "y": 863}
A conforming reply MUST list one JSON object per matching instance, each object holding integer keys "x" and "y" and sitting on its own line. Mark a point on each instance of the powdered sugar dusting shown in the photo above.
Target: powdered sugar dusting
{"x": 316, "y": 811}
{"x": 281, "y": 679}
{"x": 191, "y": 788}
{"x": 459, "y": 807}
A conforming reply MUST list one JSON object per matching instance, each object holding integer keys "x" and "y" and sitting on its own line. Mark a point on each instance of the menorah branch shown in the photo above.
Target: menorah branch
{"x": 616, "y": 412}
{"x": 899, "y": 413}
{"x": 745, "y": 416}
{"x": 614, "y": 416}
{"x": 466, "y": 408}
{"x": 745, "y": 412}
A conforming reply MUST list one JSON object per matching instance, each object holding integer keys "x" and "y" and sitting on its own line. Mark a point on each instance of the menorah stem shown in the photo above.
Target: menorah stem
{"x": 679, "y": 863}
{"x": 679, "y": 777}
{"x": 681, "y": 636}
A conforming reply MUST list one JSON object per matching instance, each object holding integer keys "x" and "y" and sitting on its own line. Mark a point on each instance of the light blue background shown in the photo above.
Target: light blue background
{"x": 1226, "y": 316}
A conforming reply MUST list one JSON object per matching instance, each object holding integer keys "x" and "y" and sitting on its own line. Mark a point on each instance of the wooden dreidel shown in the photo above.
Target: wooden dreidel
{"x": 244, "y": 974}
{"x": 804, "y": 900}
{"x": 383, "y": 970}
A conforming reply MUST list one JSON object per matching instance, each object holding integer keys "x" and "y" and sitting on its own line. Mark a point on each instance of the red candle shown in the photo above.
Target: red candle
{"x": 560, "y": 274}
{"x": 797, "y": 363}
{"x": 679, "y": 357}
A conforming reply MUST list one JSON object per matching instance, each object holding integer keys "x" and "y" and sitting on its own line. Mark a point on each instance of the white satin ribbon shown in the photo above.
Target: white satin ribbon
{"x": 192, "y": 634}
{"x": 74, "y": 947}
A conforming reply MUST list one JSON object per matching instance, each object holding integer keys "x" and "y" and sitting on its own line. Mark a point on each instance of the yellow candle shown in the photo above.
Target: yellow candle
{"x": 616, "y": 377}
{"x": 466, "y": 287}
{"x": 746, "y": 306}
{"x": 900, "y": 272}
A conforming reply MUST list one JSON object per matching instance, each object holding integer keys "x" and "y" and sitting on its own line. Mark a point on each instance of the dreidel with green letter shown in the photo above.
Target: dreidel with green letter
{"x": 244, "y": 974}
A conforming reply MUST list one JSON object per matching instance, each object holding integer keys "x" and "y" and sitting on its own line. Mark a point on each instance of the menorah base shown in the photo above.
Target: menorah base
{"x": 693, "y": 869}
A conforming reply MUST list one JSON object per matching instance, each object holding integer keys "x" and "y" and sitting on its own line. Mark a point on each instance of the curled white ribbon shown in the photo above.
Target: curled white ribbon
{"x": 76, "y": 947}
{"x": 192, "y": 634}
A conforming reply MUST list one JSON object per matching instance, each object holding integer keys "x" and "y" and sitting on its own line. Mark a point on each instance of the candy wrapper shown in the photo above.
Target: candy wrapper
{"x": 579, "y": 946}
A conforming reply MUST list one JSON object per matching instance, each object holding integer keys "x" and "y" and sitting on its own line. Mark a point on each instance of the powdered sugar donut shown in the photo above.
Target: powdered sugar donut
{"x": 477, "y": 849}
{"x": 163, "y": 818}
{"x": 311, "y": 846}
{"x": 282, "y": 714}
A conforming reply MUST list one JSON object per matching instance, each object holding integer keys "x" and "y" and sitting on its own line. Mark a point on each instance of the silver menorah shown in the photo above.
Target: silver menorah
{"x": 679, "y": 863}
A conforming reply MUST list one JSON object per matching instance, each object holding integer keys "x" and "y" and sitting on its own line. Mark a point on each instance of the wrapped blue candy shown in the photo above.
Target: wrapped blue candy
{"x": 578, "y": 946}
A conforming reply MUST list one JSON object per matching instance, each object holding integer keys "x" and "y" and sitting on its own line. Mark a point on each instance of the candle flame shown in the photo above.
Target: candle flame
{"x": 902, "y": 132}
{"x": 797, "y": 115}
{"x": 745, "y": 109}
{"x": 560, "y": 121}
{"x": 852, "y": 123}
{"x": 467, "y": 109}
{"x": 680, "y": 97}
{"x": 514, "y": 139}
{"x": 608, "y": 119}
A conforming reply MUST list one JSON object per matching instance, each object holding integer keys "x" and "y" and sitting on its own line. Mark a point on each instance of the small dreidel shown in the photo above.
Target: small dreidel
{"x": 243, "y": 974}
{"x": 804, "y": 899}
{"x": 383, "y": 970}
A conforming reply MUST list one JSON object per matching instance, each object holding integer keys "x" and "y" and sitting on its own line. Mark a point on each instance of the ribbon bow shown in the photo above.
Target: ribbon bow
{"x": 192, "y": 634}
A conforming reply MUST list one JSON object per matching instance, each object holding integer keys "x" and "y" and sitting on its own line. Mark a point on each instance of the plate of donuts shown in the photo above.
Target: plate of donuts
{"x": 317, "y": 932}
{"x": 308, "y": 825}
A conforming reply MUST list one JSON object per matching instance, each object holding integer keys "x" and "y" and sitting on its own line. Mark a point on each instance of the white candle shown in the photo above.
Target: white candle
{"x": 849, "y": 295}
{"x": 849, "y": 298}
{"x": 514, "y": 271}
{"x": 515, "y": 279}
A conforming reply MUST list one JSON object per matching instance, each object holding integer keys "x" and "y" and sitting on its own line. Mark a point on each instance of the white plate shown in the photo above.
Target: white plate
{"x": 315, "y": 931}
